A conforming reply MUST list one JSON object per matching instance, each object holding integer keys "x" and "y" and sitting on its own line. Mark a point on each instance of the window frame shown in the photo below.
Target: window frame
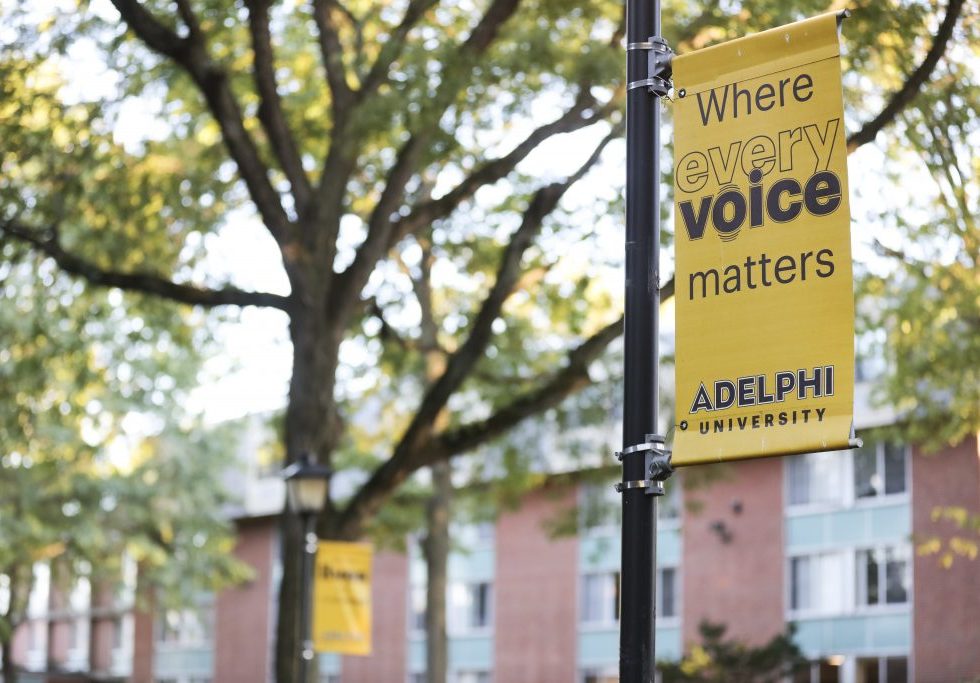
{"x": 849, "y": 498}
{"x": 882, "y": 606}
{"x": 454, "y": 627}
{"x": 847, "y": 571}
{"x": 609, "y": 617}
{"x": 662, "y": 618}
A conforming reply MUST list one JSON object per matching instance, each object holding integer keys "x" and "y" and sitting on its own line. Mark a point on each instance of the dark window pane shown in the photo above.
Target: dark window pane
{"x": 897, "y": 669}
{"x": 803, "y": 674}
{"x": 865, "y": 477}
{"x": 481, "y": 604}
{"x": 829, "y": 673}
{"x": 896, "y": 581}
{"x": 868, "y": 670}
{"x": 799, "y": 580}
{"x": 616, "y": 596}
{"x": 870, "y": 563}
{"x": 894, "y": 468}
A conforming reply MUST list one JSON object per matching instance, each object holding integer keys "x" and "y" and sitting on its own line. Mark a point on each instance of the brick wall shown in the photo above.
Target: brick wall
{"x": 946, "y": 629}
{"x": 389, "y": 613}
{"x": 143, "y": 637}
{"x": 535, "y": 592}
{"x": 100, "y": 644}
{"x": 243, "y": 613}
{"x": 733, "y": 552}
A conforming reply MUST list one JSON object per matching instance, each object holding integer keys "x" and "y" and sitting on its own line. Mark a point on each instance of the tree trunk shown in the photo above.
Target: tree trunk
{"x": 7, "y": 652}
{"x": 312, "y": 426}
{"x": 436, "y": 547}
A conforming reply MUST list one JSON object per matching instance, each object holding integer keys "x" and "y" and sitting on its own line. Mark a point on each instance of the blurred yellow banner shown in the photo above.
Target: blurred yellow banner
{"x": 342, "y": 598}
{"x": 765, "y": 309}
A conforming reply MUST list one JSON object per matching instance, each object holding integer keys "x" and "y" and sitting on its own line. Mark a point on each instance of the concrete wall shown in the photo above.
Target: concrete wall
{"x": 946, "y": 621}
{"x": 536, "y": 594}
{"x": 737, "y": 580}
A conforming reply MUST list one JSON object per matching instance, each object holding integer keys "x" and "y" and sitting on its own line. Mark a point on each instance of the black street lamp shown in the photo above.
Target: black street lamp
{"x": 306, "y": 491}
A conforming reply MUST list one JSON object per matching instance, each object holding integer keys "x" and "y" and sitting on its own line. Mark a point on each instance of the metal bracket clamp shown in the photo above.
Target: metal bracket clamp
{"x": 659, "y": 70}
{"x": 656, "y": 462}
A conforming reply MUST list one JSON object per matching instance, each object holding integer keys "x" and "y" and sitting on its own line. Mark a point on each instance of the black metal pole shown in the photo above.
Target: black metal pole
{"x": 637, "y": 636}
{"x": 306, "y": 606}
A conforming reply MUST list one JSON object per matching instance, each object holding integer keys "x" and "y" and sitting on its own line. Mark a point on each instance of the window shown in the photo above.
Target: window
{"x": 609, "y": 675}
{"x": 879, "y": 470}
{"x": 816, "y": 583}
{"x": 74, "y": 634}
{"x": 37, "y": 604}
{"x": 667, "y": 592}
{"x": 416, "y": 608}
{"x": 485, "y": 533}
{"x": 600, "y": 598}
{"x": 117, "y": 633}
{"x": 469, "y": 607}
{"x": 189, "y": 627}
{"x": 470, "y": 677}
{"x": 599, "y": 507}
{"x": 815, "y": 478}
{"x": 823, "y": 671}
{"x": 80, "y": 597}
{"x": 882, "y": 670}
{"x": 882, "y": 577}
{"x": 669, "y": 505}
{"x": 842, "y": 477}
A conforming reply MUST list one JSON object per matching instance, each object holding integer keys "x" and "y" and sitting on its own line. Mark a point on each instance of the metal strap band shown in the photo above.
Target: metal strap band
{"x": 637, "y": 484}
{"x": 648, "y": 446}
{"x": 649, "y": 83}
{"x": 640, "y": 46}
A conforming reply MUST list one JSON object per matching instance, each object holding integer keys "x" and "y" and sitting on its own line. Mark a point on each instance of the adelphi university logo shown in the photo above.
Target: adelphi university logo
{"x": 764, "y": 313}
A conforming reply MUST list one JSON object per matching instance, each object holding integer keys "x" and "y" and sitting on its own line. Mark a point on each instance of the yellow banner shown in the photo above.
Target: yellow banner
{"x": 342, "y": 598}
{"x": 764, "y": 302}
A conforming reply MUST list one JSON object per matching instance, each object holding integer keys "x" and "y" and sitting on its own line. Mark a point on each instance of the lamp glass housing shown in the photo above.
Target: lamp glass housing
{"x": 306, "y": 494}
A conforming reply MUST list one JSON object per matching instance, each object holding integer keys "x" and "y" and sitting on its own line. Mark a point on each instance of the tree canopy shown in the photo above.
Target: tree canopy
{"x": 410, "y": 161}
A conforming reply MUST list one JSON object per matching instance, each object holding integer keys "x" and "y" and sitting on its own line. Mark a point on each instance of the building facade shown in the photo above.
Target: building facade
{"x": 832, "y": 542}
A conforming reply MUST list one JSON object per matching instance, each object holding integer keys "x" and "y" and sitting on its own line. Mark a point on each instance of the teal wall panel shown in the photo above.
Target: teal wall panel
{"x": 465, "y": 652}
{"x": 416, "y": 654}
{"x": 474, "y": 652}
{"x": 183, "y": 662}
{"x": 870, "y": 633}
{"x": 856, "y": 526}
{"x": 598, "y": 552}
{"x": 330, "y": 663}
{"x": 476, "y": 565}
{"x": 600, "y": 648}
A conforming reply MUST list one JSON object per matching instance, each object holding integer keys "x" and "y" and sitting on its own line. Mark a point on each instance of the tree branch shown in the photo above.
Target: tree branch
{"x": 913, "y": 84}
{"x": 380, "y": 223}
{"x": 191, "y": 54}
{"x": 392, "y": 47}
{"x": 332, "y": 54}
{"x": 583, "y": 113}
{"x": 146, "y": 283}
{"x": 417, "y": 442}
{"x": 270, "y": 108}
{"x": 486, "y": 31}
{"x": 567, "y": 381}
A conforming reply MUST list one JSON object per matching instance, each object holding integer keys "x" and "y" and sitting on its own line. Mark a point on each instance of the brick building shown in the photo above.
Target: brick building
{"x": 822, "y": 540}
